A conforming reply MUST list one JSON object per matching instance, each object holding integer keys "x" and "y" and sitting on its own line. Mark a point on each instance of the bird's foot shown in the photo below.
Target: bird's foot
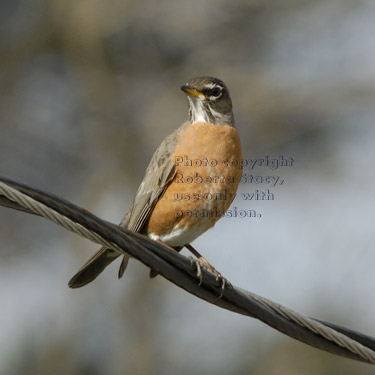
{"x": 202, "y": 263}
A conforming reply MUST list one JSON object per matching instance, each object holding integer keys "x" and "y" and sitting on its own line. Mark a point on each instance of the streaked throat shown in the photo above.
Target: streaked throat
{"x": 202, "y": 111}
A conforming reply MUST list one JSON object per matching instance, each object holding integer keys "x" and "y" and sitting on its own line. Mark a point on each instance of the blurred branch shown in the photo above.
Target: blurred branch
{"x": 179, "y": 270}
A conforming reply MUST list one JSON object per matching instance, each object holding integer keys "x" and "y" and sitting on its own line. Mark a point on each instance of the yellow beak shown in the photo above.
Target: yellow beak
{"x": 191, "y": 91}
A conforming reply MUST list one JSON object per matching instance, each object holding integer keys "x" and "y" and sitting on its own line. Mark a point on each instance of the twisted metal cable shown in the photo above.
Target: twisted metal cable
{"x": 40, "y": 209}
{"x": 317, "y": 327}
{"x": 283, "y": 314}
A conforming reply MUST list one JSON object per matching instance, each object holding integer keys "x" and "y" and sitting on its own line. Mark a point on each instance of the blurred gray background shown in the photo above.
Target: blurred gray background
{"x": 88, "y": 91}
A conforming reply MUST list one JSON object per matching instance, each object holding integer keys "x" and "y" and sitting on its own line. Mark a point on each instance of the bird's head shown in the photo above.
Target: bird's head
{"x": 209, "y": 101}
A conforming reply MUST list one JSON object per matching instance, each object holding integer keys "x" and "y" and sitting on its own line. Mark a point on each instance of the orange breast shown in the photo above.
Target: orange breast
{"x": 208, "y": 172}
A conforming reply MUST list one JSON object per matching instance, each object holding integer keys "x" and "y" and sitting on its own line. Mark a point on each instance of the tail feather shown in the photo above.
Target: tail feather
{"x": 123, "y": 266}
{"x": 95, "y": 266}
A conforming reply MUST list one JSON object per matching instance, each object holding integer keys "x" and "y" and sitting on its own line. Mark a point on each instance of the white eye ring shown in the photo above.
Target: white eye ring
{"x": 215, "y": 93}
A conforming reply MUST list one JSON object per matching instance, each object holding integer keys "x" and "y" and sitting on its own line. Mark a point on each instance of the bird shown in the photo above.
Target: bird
{"x": 189, "y": 183}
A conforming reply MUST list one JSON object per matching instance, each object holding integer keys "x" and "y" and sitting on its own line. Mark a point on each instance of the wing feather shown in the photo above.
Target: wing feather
{"x": 160, "y": 172}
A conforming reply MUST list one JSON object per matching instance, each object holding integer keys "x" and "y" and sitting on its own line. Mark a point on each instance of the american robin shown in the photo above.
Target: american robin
{"x": 190, "y": 182}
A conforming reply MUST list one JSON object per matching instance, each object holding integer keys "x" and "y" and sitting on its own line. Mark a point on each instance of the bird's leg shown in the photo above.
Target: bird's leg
{"x": 154, "y": 273}
{"x": 166, "y": 245}
{"x": 202, "y": 262}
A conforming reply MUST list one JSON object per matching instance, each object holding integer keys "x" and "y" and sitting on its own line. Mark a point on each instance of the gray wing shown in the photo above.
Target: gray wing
{"x": 160, "y": 172}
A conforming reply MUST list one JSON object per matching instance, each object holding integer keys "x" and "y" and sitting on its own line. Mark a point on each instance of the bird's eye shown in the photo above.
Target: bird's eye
{"x": 215, "y": 92}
